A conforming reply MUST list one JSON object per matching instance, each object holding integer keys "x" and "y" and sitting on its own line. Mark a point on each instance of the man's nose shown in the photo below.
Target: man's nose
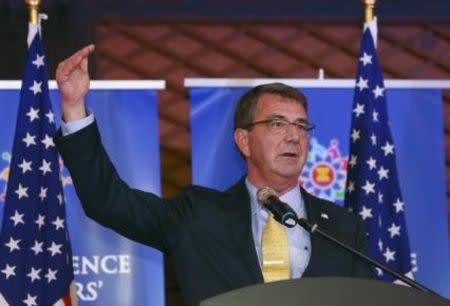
{"x": 293, "y": 133}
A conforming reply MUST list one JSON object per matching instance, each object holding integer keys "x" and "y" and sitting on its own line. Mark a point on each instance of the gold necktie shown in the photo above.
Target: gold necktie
{"x": 275, "y": 252}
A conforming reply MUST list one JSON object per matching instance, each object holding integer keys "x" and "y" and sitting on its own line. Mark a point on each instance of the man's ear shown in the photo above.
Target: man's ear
{"x": 241, "y": 140}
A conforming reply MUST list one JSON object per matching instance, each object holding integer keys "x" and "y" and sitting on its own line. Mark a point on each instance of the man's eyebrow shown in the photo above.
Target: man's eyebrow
{"x": 302, "y": 120}
{"x": 278, "y": 116}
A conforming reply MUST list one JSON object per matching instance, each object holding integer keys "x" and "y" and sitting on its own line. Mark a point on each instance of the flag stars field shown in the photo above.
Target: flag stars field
{"x": 34, "y": 236}
{"x": 374, "y": 183}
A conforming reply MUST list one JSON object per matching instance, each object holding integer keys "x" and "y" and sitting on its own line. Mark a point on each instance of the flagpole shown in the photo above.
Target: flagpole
{"x": 33, "y": 8}
{"x": 368, "y": 9}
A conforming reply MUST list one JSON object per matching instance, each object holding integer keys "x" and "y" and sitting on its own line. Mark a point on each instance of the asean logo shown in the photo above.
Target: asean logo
{"x": 325, "y": 171}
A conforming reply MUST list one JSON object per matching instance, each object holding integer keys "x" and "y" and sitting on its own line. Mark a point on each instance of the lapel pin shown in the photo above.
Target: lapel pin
{"x": 324, "y": 216}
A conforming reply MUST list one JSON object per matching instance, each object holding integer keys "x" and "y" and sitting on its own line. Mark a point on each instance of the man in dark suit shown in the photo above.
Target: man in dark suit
{"x": 216, "y": 239}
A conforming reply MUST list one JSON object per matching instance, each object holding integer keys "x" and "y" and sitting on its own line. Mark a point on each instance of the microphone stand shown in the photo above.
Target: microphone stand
{"x": 314, "y": 228}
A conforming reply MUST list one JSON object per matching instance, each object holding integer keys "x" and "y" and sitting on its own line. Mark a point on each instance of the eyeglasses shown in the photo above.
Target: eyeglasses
{"x": 281, "y": 125}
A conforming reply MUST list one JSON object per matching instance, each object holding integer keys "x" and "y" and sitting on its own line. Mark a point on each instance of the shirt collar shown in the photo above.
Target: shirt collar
{"x": 291, "y": 197}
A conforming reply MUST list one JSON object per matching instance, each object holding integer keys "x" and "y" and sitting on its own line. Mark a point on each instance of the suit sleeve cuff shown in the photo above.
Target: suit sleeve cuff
{"x": 76, "y": 125}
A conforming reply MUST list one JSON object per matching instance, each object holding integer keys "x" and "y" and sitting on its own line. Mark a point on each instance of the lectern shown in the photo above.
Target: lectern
{"x": 326, "y": 291}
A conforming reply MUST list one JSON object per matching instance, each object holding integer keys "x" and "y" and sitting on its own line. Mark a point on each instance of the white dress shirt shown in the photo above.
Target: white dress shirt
{"x": 299, "y": 239}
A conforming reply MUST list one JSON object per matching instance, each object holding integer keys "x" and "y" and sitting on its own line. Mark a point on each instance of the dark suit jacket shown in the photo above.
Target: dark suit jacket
{"x": 207, "y": 232}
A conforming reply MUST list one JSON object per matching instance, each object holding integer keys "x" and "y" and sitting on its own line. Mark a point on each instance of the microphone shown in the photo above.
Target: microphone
{"x": 281, "y": 211}
{"x": 285, "y": 215}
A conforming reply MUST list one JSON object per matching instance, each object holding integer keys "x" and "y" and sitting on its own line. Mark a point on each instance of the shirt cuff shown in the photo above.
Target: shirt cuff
{"x": 76, "y": 125}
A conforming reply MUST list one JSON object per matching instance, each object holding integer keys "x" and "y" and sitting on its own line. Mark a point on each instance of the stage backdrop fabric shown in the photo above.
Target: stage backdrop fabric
{"x": 416, "y": 117}
{"x": 109, "y": 269}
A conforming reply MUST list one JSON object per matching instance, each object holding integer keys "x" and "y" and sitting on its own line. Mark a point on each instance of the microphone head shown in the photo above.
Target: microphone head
{"x": 264, "y": 193}
{"x": 281, "y": 211}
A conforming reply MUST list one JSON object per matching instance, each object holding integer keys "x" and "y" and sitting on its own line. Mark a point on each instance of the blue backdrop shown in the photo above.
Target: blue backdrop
{"x": 417, "y": 126}
{"x": 109, "y": 269}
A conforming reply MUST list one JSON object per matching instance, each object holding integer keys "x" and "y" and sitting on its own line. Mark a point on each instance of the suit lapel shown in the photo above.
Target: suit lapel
{"x": 241, "y": 228}
{"x": 239, "y": 221}
{"x": 313, "y": 211}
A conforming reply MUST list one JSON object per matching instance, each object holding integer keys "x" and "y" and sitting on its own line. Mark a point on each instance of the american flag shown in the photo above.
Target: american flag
{"x": 35, "y": 252}
{"x": 372, "y": 188}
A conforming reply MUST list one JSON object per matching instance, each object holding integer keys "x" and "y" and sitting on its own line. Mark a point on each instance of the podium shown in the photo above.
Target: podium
{"x": 326, "y": 291}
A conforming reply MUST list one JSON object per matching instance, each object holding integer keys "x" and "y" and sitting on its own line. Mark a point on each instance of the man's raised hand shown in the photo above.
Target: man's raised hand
{"x": 72, "y": 77}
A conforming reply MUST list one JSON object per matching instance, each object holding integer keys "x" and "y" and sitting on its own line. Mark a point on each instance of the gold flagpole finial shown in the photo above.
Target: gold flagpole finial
{"x": 33, "y": 7}
{"x": 368, "y": 9}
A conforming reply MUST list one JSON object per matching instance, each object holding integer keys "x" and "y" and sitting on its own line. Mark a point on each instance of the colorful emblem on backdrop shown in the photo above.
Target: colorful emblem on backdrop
{"x": 324, "y": 173}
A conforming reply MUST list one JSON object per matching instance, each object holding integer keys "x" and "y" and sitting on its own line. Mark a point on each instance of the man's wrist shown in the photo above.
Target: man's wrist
{"x": 74, "y": 113}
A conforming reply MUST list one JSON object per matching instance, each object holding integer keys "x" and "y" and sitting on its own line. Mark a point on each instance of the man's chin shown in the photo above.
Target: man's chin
{"x": 290, "y": 174}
